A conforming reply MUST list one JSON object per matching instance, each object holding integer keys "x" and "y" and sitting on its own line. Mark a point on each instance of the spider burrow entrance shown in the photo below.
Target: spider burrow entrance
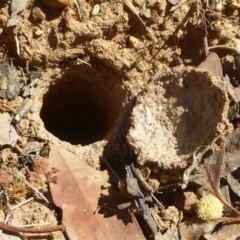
{"x": 81, "y": 106}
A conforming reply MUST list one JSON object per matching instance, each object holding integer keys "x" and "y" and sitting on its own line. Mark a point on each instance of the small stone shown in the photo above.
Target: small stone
{"x": 58, "y": 3}
{"x": 146, "y": 12}
{"x": 133, "y": 42}
{"x": 96, "y": 9}
{"x": 38, "y": 14}
{"x": 218, "y": 7}
{"x": 185, "y": 201}
{"x": 38, "y": 32}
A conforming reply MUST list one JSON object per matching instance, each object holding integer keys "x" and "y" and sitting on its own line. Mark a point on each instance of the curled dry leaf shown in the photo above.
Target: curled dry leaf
{"x": 78, "y": 192}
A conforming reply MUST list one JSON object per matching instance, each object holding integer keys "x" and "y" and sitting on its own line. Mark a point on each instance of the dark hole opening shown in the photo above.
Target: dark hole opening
{"x": 78, "y": 112}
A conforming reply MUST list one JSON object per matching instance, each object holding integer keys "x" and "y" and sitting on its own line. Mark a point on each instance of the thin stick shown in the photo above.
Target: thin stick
{"x": 205, "y": 34}
{"x": 190, "y": 12}
{"x": 36, "y": 225}
{"x": 22, "y": 203}
{"x": 178, "y": 5}
{"x": 114, "y": 22}
{"x": 14, "y": 229}
{"x": 80, "y": 60}
{"x": 158, "y": 203}
{"x": 110, "y": 168}
{"x": 155, "y": 219}
{"x": 17, "y": 45}
{"x": 134, "y": 11}
{"x": 78, "y": 9}
{"x": 141, "y": 179}
{"x": 224, "y": 47}
{"x": 26, "y": 182}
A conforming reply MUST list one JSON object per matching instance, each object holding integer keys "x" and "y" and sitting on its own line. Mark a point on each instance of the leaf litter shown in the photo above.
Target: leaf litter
{"x": 78, "y": 196}
{"x": 166, "y": 151}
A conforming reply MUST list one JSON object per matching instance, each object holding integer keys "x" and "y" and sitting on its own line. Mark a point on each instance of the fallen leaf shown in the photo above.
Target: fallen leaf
{"x": 194, "y": 228}
{"x": 8, "y": 135}
{"x": 78, "y": 193}
{"x": 212, "y": 64}
{"x": 16, "y": 7}
{"x": 229, "y": 232}
{"x": 211, "y": 173}
{"x": 232, "y": 155}
{"x": 234, "y": 184}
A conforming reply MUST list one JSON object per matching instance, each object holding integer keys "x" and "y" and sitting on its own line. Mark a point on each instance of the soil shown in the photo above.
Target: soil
{"x": 98, "y": 85}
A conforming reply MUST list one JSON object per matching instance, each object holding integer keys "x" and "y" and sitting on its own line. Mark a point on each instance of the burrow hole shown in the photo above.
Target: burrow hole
{"x": 81, "y": 110}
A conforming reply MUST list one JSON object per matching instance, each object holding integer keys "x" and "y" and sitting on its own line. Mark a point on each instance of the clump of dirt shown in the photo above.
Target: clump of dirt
{"x": 171, "y": 118}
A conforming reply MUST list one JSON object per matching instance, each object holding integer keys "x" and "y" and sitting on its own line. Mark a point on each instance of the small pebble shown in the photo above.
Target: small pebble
{"x": 218, "y": 7}
{"x": 38, "y": 32}
{"x": 38, "y": 14}
{"x": 96, "y": 9}
{"x": 133, "y": 42}
{"x": 146, "y": 12}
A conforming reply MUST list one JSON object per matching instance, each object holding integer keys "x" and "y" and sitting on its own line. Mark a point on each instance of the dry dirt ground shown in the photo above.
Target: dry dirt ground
{"x": 97, "y": 91}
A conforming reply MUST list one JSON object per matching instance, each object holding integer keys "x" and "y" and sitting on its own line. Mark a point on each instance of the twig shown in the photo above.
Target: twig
{"x": 36, "y": 225}
{"x": 190, "y": 12}
{"x": 22, "y": 203}
{"x": 224, "y": 47}
{"x": 80, "y": 60}
{"x": 110, "y": 168}
{"x": 78, "y": 9}
{"x": 17, "y": 45}
{"x": 178, "y": 5}
{"x": 134, "y": 11}
{"x": 205, "y": 33}
{"x": 158, "y": 203}
{"x": 14, "y": 229}
{"x": 155, "y": 218}
{"x": 114, "y": 22}
{"x": 26, "y": 182}
{"x": 141, "y": 179}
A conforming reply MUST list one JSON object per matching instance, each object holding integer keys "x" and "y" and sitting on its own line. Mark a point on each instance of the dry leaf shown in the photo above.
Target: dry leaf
{"x": 194, "y": 228}
{"x": 78, "y": 193}
{"x": 234, "y": 184}
{"x": 16, "y": 7}
{"x": 212, "y": 64}
{"x": 233, "y": 151}
{"x": 211, "y": 173}
{"x": 8, "y": 135}
{"x": 229, "y": 232}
